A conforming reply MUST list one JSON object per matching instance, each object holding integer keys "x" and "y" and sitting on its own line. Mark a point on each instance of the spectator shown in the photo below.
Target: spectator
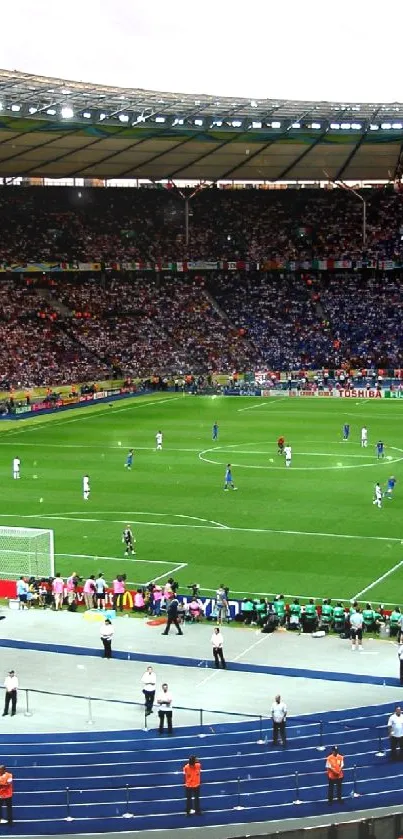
{"x": 22, "y": 593}
{"x": 58, "y": 590}
{"x": 356, "y": 622}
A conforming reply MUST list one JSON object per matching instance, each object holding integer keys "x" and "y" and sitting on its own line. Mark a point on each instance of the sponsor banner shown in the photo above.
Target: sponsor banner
{"x": 277, "y": 264}
{"x": 23, "y": 409}
{"x": 273, "y": 392}
{"x": 393, "y": 394}
{"x": 353, "y": 393}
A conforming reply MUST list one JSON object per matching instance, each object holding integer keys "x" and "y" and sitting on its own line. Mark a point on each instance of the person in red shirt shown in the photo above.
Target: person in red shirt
{"x": 280, "y": 445}
{"x": 192, "y": 775}
{"x": 334, "y": 769}
{"x": 6, "y": 793}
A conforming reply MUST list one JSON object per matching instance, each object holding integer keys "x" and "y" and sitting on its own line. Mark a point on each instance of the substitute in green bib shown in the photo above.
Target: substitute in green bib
{"x": 294, "y": 619}
{"x": 310, "y": 617}
{"x": 279, "y": 608}
{"x": 326, "y": 613}
{"x": 395, "y": 621}
{"x": 339, "y": 618}
{"x": 368, "y": 616}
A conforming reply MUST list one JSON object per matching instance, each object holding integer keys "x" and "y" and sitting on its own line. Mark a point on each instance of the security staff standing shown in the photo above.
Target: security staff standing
{"x": 172, "y": 613}
{"x": 334, "y": 769}
{"x": 11, "y": 687}
{"x": 192, "y": 775}
{"x": 400, "y": 657}
{"x": 217, "y": 641}
{"x": 395, "y": 731}
{"x": 149, "y": 682}
{"x": 278, "y": 713}
{"x": 164, "y": 701}
{"x": 6, "y": 794}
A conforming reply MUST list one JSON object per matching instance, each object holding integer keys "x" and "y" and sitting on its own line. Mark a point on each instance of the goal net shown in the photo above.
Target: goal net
{"x": 26, "y": 551}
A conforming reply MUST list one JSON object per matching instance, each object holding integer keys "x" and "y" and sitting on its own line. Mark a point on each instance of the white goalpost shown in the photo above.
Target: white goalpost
{"x": 26, "y": 551}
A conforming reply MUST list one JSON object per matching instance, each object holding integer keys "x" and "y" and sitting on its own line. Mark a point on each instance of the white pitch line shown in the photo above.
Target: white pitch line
{"x": 378, "y": 580}
{"x": 273, "y": 401}
{"x": 88, "y": 415}
{"x": 221, "y": 529}
{"x": 118, "y": 559}
{"x": 171, "y": 571}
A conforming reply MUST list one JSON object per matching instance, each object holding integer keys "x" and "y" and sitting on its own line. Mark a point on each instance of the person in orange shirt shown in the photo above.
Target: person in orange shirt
{"x": 6, "y": 794}
{"x": 192, "y": 775}
{"x": 334, "y": 769}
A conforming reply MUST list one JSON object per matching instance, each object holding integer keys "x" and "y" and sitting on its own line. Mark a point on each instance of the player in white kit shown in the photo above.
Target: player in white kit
{"x": 288, "y": 455}
{"x": 364, "y": 437}
{"x": 158, "y": 440}
{"x": 16, "y": 468}
{"x": 378, "y": 496}
{"x": 86, "y": 487}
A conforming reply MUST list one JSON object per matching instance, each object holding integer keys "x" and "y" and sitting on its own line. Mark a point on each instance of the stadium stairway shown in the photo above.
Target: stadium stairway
{"x": 120, "y": 780}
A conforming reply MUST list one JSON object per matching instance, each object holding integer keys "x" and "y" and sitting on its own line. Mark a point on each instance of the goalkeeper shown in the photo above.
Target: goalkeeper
{"x": 129, "y": 541}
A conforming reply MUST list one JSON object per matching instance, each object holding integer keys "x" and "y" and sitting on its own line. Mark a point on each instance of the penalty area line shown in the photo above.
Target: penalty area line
{"x": 378, "y": 580}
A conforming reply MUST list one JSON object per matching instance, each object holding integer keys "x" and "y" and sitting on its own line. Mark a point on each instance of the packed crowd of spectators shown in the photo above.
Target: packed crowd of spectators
{"x": 57, "y": 329}
{"x": 72, "y": 329}
{"x": 67, "y": 224}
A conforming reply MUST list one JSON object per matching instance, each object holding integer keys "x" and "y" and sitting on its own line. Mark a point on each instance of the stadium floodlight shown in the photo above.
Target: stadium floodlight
{"x": 256, "y": 124}
{"x": 236, "y": 123}
{"x": 253, "y": 103}
{"x": 87, "y": 115}
{"x": 26, "y": 551}
{"x": 315, "y": 125}
{"x": 216, "y": 123}
{"x": 373, "y": 127}
{"x": 177, "y": 120}
{"x": 123, "y": 117}
{"x": 397, "y": 125}
{"x": 198, "y": 122}
{"x": 102, "y": 116}
{"x": 335, "y": 125}
{"x": 15, "y": 107}
{"x": 296, "y": 125}
{"x": 276, "y": 125}
{"x": 346, "y": 126}
{"x": 32, "y": 109}
{"x": 160, "y": 119}
{"x": 51, "y": 111}
{"x": 386, "y": 125}
{"x": 67, "y": 113}
{"x": 356, "y": 126}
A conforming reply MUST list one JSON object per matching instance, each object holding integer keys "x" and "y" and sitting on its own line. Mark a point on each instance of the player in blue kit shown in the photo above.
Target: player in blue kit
{"x": 380, "y": 449}
{"x": 215, "y": 431}
{"x": 129, "y": 460}
{"x": 346, "y": 431}
{"x": 389, "y": 488}
{"x": 228, "y": 482}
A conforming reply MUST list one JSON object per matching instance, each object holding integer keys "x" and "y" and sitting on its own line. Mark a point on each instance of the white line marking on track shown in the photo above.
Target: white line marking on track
{"x": 378, "y": 580}
{"x": 237, "y": 658}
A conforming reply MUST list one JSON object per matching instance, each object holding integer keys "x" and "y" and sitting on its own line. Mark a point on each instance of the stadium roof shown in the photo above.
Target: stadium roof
{"x": 57, "y": 128}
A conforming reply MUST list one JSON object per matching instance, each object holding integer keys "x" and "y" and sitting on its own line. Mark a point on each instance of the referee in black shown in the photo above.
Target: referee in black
{"x": 172, "y": 613}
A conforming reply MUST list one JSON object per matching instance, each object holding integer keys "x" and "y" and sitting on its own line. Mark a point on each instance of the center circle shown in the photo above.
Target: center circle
{"x": 342, "y": 459}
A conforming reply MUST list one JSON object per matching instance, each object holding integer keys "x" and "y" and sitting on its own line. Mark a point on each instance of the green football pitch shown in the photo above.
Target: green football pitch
{"x": 310, "y": 530}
